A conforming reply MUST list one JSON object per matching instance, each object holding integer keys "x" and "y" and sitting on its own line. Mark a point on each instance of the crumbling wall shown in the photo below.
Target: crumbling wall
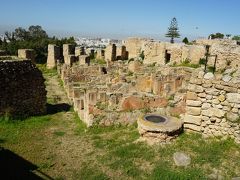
{"x": 213, "y": 104}
{"x": 193, "y": 53}
{"x": 154, "y": 53}
{"x": 22, "y": 89}
{"x": 135, "y": 46}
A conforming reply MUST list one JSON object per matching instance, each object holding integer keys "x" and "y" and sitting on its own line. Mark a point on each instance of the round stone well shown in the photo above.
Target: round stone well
{"x": 158, "y": 128}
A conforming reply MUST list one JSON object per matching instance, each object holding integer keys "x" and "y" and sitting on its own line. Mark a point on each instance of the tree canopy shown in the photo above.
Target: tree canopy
{"x": 32, "y": 38}
{"x": 237, "y": 38}
{"x": 173, "y": 30}
{"x": 216, "y": 36}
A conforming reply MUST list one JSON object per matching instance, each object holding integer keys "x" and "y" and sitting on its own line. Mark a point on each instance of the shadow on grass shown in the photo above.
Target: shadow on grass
{"x": 15, "y": 167}
{"x": 2, "y": 141}
{"x": 56, "y": 108}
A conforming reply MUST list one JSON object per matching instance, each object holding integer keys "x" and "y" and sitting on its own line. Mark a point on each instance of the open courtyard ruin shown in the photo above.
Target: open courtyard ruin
{"x": 128, "y": 86}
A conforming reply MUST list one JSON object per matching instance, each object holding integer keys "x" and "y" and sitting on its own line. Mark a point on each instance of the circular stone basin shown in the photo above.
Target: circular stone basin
{"x": 158, "y": 127}
{"x": 155, "y": 118}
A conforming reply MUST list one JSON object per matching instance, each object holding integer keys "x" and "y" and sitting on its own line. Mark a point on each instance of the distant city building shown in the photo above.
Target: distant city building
{"x": 96, "y": 43}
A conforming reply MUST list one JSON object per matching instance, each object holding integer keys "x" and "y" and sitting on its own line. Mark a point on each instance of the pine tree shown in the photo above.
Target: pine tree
{"x": 173, "y": 31}
{"x": 185, "y": 40}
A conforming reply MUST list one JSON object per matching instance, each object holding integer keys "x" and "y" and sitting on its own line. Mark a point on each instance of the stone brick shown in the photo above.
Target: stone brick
{"x": 194, "y": 103}
{"x": 233, "y": 97}
{"x": 195, "y": 88}
{"x": 213, "y": 112}
{"x": 221, "y": 98}
{"x": 193, "y": 127}
{"x": 191, "y": 95}
{"x": 196, "y": 111}
{"x": 192, "y": 119}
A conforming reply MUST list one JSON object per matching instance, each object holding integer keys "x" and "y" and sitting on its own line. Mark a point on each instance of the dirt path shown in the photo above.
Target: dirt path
{"x": 67, "y": 151}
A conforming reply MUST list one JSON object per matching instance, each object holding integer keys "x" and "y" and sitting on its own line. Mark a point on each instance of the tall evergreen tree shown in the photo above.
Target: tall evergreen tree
{"x": 173, "y": 31}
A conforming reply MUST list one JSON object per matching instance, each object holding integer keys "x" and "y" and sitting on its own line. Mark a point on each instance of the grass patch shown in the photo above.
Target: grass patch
{"x": 59, "y": 133}
{"x": 90, "y": 173}
{"x": 47, "y": 72}
{"x": 186, "y": 63}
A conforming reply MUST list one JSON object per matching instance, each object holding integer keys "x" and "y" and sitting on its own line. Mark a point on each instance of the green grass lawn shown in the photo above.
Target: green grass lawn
{"x": 118, "y": 151}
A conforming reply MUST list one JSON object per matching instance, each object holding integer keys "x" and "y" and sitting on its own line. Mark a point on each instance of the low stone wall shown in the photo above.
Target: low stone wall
{"x": 22, "y": 89}
{"x": 213, "y": 104}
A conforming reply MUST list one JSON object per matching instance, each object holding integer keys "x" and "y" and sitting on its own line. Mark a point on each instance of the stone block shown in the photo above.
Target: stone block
{"x": 196, "y": 111}
{"x": 27, "y": 54}
{"x": 233, "y": 97}
{"x": 213, "y": 112}
{"x": 193, "y": 127}
{"x": 195, "y": 88}
{"x": 193, "y": 103}
{"x": 192, "y": 119}
{"x": 191, "y": 95}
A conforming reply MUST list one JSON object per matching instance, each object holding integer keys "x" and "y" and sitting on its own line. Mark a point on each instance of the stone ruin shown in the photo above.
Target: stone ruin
{"x": 26, "y": 54}
{"x": 22, "y": 89}
{"x": 122, "y": 91}
{"x": 70, "y": 54}
{"x": 213, "y": 104}
{"x": 53, "y": 56}
{"x": 226, "y": 52}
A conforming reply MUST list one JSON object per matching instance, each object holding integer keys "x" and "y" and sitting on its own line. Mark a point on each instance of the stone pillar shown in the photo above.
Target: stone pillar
{"x": 53, "y": 55}
{"x": 100, "y": 54}
{"x": 70, "y": 59}
{"x": 26, "y": 54}
{"x": 68, "y": 50}
{"x": 79, "y": 51}
{"x": 111, "y": 53}
{"x": 84, "y": 59}
{"x": 124, "y": 53}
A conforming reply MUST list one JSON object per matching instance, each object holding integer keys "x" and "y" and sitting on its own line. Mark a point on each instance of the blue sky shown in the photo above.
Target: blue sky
{"x": 122, "y": 18}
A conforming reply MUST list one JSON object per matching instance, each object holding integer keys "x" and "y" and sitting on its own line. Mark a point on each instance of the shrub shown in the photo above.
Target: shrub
{"x": 202, "y": 61}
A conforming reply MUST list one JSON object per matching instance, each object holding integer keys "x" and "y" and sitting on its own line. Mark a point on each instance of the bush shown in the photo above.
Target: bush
{"x": 211, "y": 69}
{"x": 202, "y": 61}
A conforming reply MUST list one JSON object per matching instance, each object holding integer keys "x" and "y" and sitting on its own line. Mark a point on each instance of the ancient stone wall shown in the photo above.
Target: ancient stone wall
{"x": 26, "y": 54}
{"x": 213, "y": 104}
{"x": 227, "y": 52}
{"x": 135, "y": 46}
{"x": 22, "y": 89}
{"x": 106, "y": 98}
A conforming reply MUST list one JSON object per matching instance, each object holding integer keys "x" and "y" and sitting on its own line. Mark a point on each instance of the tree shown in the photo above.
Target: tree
{"x": 173, "y": 31}
{"x": 185, "y": 40}
{"x": 10, "y": 36}
{"x": 216, "y": 36}
{"x": 21, "y": 34}
{"x": 237, "y": 38}
{"x": 36, "y": 32}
